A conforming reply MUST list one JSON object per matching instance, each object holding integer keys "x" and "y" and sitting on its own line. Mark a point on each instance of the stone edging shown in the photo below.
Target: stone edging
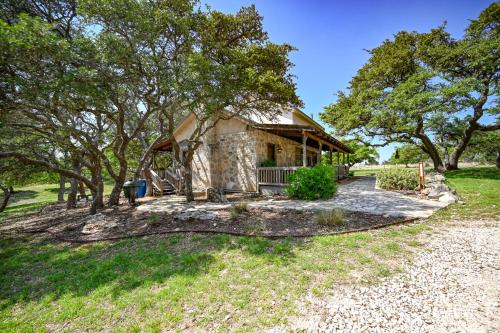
{"x": 231, "y": 233}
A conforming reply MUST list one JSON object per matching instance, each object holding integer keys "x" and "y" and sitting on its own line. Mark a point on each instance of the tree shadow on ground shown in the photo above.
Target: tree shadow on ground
{"x": 32, "y": 270}
{"x": 56, "y": 190}
{"x": 21, "y": 195}
{"x": 475, "y": 173}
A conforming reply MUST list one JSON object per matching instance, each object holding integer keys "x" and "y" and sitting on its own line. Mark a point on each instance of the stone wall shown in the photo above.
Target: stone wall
{"x": 201, "y": 167}
{"x": 235, "y": 161}
{"x": 285, "y": 157}
{"x": 229, "y": 160}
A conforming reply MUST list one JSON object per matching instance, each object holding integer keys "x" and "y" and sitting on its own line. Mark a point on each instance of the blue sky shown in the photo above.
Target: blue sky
{"x": 331, "y": 35}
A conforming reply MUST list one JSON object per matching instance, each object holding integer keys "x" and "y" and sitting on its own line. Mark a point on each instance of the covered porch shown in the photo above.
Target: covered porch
{"x": 315, "y": 145}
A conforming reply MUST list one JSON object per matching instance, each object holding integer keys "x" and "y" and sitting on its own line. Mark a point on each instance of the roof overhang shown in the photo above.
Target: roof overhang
{"x": 297, "y": 132}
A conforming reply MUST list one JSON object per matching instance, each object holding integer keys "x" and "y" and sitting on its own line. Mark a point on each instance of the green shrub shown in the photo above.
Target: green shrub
{"x": 268, "y": 163}
{"x": 313, "y": 183}
{"x": 333, "y": 217}
{"x": 397, "y": 179}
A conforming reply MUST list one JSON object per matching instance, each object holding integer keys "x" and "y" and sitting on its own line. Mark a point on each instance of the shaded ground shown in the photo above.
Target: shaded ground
{"x": 125, "y": 221}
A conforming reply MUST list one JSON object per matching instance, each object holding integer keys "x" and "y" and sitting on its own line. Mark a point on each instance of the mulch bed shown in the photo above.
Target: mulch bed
{"x": 67, "y": 226}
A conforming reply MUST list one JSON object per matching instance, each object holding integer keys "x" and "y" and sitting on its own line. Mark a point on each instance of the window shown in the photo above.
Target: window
{"x": 271, "y": 152}
{"x": 298, "y": 156}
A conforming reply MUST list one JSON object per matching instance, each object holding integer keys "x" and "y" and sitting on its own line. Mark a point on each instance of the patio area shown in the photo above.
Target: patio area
{"x": 359, "y": 195}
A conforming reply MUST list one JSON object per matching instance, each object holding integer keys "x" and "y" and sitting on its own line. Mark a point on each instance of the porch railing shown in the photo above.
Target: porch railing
{"x": 157, "y": 181}
{"x": 277, "y": 176}
{"x": 274, "y": 175}
{"x": 172, "y": 175}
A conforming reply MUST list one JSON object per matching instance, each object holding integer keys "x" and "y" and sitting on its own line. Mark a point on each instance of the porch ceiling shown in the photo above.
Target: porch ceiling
{"x": 163, "y": 146}
{"x": 296, "y": 132}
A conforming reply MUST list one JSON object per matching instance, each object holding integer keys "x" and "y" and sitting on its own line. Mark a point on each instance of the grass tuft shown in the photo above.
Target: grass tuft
{"x": 238, "y": 209}
{"x": 333, "y": 217}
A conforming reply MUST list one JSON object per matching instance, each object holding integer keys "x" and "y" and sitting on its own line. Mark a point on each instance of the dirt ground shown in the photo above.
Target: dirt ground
{"x": 124, "y": 221}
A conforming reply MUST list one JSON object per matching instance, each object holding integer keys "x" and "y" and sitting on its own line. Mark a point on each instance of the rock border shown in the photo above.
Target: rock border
{"x": 436, "y": 188}
{"x": 231, "y": 233}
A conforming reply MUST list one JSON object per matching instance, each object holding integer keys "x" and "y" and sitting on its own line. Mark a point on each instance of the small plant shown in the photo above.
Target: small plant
{"x": 333, "y": 217}
{"x": 268, "y": 163}
{"x": 397, "y": 179}
{"x": 254, "y": 227}
{"x": 313, "y": 183}
{"x": 154, "y": 218}
{"x": 238, "y": 209}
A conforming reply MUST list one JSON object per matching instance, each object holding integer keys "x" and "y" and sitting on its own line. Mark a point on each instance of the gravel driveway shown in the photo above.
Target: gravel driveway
{"x": 451, "y": 286}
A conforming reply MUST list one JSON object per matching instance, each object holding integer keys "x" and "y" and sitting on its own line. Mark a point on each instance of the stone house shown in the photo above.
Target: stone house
{"x": 233, "y": 153}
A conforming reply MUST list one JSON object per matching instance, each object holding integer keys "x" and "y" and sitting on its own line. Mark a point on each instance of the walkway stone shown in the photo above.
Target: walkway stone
{"x": 359, "y": 195}
{"x": 362, "y": 196}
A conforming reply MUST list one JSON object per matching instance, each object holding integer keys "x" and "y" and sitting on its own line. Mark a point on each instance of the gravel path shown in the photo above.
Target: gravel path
{"x": 451, "y": 286}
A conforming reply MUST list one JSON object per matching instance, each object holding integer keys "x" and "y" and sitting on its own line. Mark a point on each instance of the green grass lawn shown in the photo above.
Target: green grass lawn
{"x": 31, "y": 198}
{"x": 186, "y": 281}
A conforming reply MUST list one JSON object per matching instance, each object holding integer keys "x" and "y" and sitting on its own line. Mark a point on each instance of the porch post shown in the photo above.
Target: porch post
{"x": 304, "y": 150}
{"x": 320, "y": 152}
{"x": 338, "y": 164}
{"x": 331, "y": 156}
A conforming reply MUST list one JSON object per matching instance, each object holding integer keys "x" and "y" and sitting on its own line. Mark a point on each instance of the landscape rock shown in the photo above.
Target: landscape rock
{"x": 215, "y": 195}
{"x": 97, "y": 223}
{"x": 448, "y": 197}
{"x": 196, "y": 214}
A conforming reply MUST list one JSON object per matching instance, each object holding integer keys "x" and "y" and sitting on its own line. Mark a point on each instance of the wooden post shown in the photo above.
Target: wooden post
{"x": 331, "y": 156}
{"x": 338, "y": 164}
{"x": 304, "y": 150}
{"x": 320, "y": 151}
{"x": 421, "y": 174}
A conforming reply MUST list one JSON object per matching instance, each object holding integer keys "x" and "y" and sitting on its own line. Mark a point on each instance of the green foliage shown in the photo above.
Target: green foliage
{"x": 268, "y": 163}
{"x": 313, "y": 183}
{"x": 333, "y": 217}
{"x": 408, "y": 154}
{"x": 483, "y": 147}
{"x": 414, "y": 78}
{"x": 397, "y": 179}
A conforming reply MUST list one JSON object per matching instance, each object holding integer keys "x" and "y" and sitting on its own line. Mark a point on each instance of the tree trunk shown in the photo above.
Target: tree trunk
{"x": 97, "y": 197}
{"x": 74, "y": 185}
{"x": 460, "y": 147}
{"x": 446, "y": 157}
{"x": 81, "y": 190}
{"x": 433, "y": 153}
{"x": 114, "y": 198}
{"x": 6, "y": 196}
{"x": 71, "y": 203}
{"x": 62, "y": 188}
{"x": 188, "y": 182}
{"x": 498, "y": 159}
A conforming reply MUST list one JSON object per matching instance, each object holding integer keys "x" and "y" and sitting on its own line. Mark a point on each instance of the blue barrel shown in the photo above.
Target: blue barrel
{"x": 141, "y": 188}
